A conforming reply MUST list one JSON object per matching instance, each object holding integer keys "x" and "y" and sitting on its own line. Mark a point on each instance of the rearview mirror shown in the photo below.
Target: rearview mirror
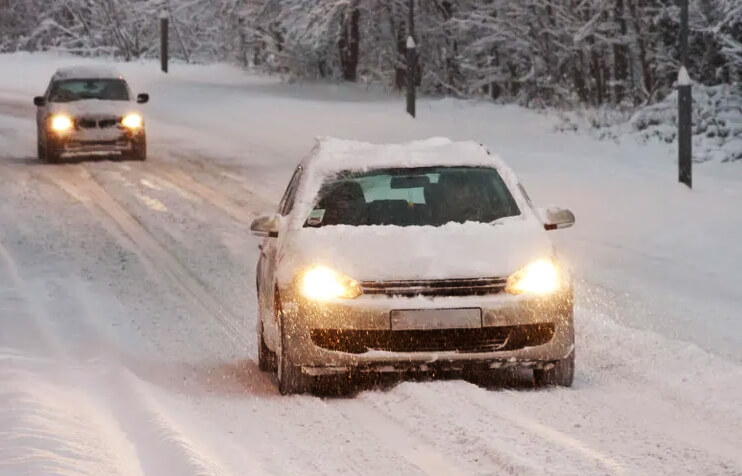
{"x": 39, "y": 101}
{"x": 266, "y": 226}
{"x": 555, "y": 218}
{"x": 143, "y": 98}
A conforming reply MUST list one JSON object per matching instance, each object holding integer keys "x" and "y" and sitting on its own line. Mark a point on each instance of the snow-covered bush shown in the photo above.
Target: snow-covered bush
{"x": 717, "y": 122}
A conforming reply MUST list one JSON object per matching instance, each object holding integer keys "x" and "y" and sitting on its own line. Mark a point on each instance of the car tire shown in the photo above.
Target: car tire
{"x": 40, "y": 152}
{"x": 52, "y": 154}
{"x": 562, "y": 374}
{"x": 139, "y": 148}
{"x": 291, "y": 379}
{"x": 266, "y": 358}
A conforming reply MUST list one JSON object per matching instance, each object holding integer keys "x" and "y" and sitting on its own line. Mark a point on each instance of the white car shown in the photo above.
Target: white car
{"x": 421, "y": 256}
{"x": 89, "y": 111}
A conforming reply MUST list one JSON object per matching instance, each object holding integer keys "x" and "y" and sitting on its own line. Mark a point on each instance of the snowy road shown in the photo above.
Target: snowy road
{"x": 127, "y": 308}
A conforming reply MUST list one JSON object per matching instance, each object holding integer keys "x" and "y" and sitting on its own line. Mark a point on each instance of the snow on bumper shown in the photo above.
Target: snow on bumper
{"x": 515, "y": 331}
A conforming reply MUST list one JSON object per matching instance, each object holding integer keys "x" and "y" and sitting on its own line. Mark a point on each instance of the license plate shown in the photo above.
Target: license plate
{"x": 424, "y": 319}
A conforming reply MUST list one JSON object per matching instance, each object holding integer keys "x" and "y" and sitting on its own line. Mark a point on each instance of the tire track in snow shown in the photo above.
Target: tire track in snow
{"x": 414, "y": 448}
{"x": 77, "y": 182}
{"x": 179, "y": 178}
{"x": 514, "y": 432}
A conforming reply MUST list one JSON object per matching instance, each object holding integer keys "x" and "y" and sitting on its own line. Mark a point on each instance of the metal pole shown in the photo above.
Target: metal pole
{"x": 685, "y": 105}
{"x": 164, "y": 48}
{"x": 411, "y": 61}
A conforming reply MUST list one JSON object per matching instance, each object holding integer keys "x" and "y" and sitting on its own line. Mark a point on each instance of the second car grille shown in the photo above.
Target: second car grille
{"x": 436, "y": 287}
{"x": 87, "y": 123}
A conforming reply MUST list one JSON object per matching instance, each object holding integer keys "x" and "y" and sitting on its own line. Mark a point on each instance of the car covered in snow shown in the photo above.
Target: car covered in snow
{"x": 425, "y": 256}
{"x": 89, "y": 110}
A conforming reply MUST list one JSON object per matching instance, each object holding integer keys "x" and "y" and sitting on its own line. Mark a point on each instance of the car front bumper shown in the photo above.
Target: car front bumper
{"x": 95, "y": 141}
{"x": 357, "y": 334}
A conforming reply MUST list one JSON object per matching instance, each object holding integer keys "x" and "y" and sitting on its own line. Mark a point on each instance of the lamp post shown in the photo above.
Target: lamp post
{"x": 685, "y": 105}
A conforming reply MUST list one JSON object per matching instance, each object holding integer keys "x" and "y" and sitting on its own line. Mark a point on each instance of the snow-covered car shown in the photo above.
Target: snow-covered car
{"x": 413, "y": 257}
{"x": 89, "y": 110}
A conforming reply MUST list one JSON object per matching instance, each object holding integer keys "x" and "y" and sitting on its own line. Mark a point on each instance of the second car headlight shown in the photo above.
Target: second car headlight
{"x": 323, "y": 284}
{"x": 540, "y": 277}
{"x": 61, "y": 123}
{"x": 132, "y": 121}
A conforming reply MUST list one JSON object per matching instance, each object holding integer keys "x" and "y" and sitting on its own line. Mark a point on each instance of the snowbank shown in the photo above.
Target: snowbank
{"x": 717, "y": 122}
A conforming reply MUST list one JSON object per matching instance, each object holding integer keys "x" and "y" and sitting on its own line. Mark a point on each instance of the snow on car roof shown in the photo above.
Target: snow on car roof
{"x": 87, "y": 72}
{"x": 333, "y": 155}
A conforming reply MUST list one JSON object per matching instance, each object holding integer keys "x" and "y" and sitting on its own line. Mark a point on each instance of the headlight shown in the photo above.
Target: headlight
{"x": 132, "y": 121}
{"x": 61, "y": 123}
{"x": 324, "y": 284}
{"x": 540, "y": 277}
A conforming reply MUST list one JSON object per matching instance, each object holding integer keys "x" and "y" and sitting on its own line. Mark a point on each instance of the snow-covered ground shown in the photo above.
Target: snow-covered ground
{"x": 127, "y": 307}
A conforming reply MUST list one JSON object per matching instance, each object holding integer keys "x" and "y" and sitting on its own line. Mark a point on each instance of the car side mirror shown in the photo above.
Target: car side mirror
{"x": 266, "y": 226}
{"x": 555, "y": 218}
{"x": 143, "y": 98}
{"x": 39, "y": 101}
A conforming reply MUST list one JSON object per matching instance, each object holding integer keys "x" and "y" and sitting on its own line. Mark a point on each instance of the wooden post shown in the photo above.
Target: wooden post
{"x": 685, "y": 105}
{"x": 411, "y": 61}
{"x": 411, "y": 91}
{"x": 164, "y": 47}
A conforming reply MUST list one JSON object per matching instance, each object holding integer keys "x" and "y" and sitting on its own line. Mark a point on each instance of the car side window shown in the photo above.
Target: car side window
{"x": 289, "y": 197}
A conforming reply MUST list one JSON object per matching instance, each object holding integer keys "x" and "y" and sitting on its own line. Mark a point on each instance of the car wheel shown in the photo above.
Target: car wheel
{"x": 40, "y": 152}
{"x": 139, "y": 148}
{"x": 52, "y": 154}
{"x": 266, "y": 358}
{"x": 562, "y": 374}
{"x": 291, "y": 380}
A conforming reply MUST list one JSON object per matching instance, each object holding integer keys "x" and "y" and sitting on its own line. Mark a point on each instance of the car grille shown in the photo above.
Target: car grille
{"x": 485, "y": 339}
{"x": 436, "y": 287}
{"x": 87, "y": 123}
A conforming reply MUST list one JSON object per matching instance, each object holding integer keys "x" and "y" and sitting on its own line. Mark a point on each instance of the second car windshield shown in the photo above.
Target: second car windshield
{"x": 430, "y": 196}
{"x": 79, "y": 89}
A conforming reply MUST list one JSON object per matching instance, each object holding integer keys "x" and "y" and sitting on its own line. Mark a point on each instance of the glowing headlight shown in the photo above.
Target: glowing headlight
{"x": 540, "y": 277}
{"x": 323, "y": 284}
{"x": 132, "y": 121}
{"x": 61, "y": 123}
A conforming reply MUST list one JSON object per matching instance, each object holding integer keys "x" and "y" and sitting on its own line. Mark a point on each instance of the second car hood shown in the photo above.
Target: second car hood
{"x": 93, "y": 107}
{"x": 373, "y": 253}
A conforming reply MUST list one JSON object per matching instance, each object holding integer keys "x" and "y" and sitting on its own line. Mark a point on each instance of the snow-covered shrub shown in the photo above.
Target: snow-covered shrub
{"x": 717, "y": 122}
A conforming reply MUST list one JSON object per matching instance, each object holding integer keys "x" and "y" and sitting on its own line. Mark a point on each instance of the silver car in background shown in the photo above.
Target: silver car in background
{"x": 89, "y": 110}
{"x": 413, "y": 257}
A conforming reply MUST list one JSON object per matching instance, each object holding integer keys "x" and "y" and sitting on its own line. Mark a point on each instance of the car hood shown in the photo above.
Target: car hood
{"x": 373, "y": 253}
{"x": 93, "y": 107}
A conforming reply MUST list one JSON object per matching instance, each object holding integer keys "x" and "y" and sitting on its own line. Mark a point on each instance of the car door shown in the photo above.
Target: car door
{"x": 268, "y": 262}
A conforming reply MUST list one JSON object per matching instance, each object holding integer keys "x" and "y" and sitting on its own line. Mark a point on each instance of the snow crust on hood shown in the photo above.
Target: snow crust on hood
{"x": 93, "y": 107}
{"x": 468, "y": 250}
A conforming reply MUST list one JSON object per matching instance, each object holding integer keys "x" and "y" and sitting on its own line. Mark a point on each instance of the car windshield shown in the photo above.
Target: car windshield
{"x": 432, "y": 196}
{"x": 79, "y": 89}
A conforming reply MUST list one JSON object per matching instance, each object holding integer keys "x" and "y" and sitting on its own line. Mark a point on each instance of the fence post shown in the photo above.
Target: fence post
{"x": 411, "y": 60}
{"x": 411, "y": 79}
{"x": 164, "y": 47}
{"x": 685, "y": 105}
